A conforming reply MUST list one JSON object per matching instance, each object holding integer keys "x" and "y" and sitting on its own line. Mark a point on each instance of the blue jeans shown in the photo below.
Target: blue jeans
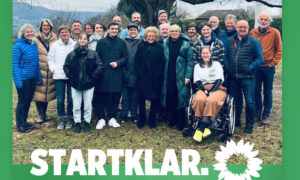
{"x": 245, "y": 86}
{"x": 25, "y": 95}
{"x": 86, "y": 96}
{"x": 60, "y": 87}
{"x": 129, "y": 101}
{"x": 265, "y": 77}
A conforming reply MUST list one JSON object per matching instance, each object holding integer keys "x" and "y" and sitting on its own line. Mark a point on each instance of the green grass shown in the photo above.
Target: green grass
{"x": 268, "y": 140}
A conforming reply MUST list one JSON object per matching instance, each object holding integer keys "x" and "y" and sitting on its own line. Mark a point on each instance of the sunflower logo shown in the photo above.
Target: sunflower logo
{"x": 240, "y": 149}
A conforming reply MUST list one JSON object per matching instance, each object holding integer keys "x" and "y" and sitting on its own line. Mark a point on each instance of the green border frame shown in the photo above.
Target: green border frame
{"x": 291, "y": 124}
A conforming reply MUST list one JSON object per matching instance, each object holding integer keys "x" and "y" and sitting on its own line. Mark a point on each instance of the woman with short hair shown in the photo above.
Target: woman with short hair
{"x": 46, "y": 92}
{"x": 149, "y": 61}
{"x": 26, "y": 74}
{"x": 56, "y": 59}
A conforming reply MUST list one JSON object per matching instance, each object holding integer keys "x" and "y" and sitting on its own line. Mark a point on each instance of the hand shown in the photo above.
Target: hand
{"x": 206, "y": 92}
{"x": 113, "y": 64}
{"x": 186, "y": 81}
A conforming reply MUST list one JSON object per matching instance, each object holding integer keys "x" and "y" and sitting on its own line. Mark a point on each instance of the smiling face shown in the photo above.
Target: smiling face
{"x": 242, "y": 28}
{"x": 83, "y": 40}
{"x": 132, "y": 32}
{"x": 230, "y": 24}
{"x": 28, "y": 34}
{"x": 264, "y": 20}
{"x": 45, "y": 27}
{"x": 151, "y": 37}
{"x": 164, "y": 30}
{"x": 174, "y": 34}
{"x": 118, "y": 20}
{"x": 76, "y": 28}
{"x": 163, "y": 18}
{"x": 214, "y": 22}
{"x": 206, "y": 31}
{"x": 205, "y": 55}
{"x": 136, "y": 18}
{"x": 99, "y": 29}
{"x": 191, "y": 32}
{"x": 89, "y": 29}
{"x": 64, "y": 34}
{"x": 113, "y": 30}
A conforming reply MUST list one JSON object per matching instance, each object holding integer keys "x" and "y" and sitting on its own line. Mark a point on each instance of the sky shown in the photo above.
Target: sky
{"x": 78, "y": 5}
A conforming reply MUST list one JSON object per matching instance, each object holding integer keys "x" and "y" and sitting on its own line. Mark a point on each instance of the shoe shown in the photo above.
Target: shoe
{"x": 77, "y": 128}
{"x": 206, "y": 133}
{"x": 140, "y": 124}
{"x": 87, "y": 127}
{"x": 265, "y": 121}
{"x": 113, "y": 123}
{"x": 134, "y": 119}
{"x": 257, "y": 119}
{"x": 30, "y": 126}
{"x": 69, "y": 122}
{"x": 152, "y": 125}
{"x": 23, "y": 129}
{"x": 101, "y": 123}
{"x": 198, "y": 136}
{"x": 61, "y": 123}
{"x": 124, "y": 119}
{"x": 179, "y": 128}
{"x": 40, "y": 120}
{"x": 248, "y": 129}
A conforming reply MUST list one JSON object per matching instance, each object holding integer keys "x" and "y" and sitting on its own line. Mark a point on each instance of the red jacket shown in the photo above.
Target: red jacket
{"x": 271, "y": 44}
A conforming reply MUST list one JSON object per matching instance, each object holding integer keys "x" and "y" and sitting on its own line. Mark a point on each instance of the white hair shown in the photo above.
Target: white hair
{"x": 165, "y": 24}
{"x": 264, "y": 13}
{"x": 23, "y": 29}
{"x": 214, "y": 17}
{"x": 231, "y": 16}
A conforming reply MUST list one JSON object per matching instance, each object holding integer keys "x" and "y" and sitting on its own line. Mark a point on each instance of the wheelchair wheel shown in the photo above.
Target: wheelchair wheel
{"x": 231, "y": 114}
{"x": 186, "y": 132}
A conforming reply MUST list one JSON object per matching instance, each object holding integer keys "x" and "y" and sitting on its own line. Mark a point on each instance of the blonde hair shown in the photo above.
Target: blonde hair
{"x": 175, "y": 27}
{"x": 63, "y": 27}
{"x": 23, "y": 29}
{"x": 151, "y": 29}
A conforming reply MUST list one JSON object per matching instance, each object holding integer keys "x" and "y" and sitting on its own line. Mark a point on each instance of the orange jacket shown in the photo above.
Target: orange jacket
{"x": 271, "y": 44}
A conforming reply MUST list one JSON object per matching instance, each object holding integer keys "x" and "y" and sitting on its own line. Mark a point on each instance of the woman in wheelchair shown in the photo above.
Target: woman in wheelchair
{"x": 210, "y": 95}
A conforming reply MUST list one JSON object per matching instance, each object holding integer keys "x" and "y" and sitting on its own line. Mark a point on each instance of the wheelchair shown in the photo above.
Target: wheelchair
{"x": 224, "y": 122}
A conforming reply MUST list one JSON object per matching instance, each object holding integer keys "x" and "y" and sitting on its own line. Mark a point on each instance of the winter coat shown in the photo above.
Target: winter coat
{"x": 158, "y": 24}
{"x": 184, "y": 69}
{"x": 149, "y": 62}
{"x": 194, "y": 39}
{"x": 94, "y": 38}
{"x": 57, "y": 56}
{"x": 226, "y": 35}
{"x": 111, "y": 50}
{"x": 25, "y": 62}
{"x": 82, "y": 67}
{"x": 243, "y": 57}
{"x": 218, "y": 32}
{"x": 216, "y": 47}
{"x": 271, "y": 45}
{"x": 129, "y": 73}
{"x": 45, "y": 92}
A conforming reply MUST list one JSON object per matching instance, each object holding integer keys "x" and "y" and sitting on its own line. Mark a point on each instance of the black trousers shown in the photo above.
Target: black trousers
{"x": 108, "y": 102}
{"x": 25, "y": 96}
{"x": 154, "y": 109}
{"x": 41, "y": 108}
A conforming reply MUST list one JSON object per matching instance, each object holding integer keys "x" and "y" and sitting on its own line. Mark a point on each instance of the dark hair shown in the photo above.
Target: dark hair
{"x": 112, "y": 24}
{"x": 45, "y": 20}
{"x": 83, "y": 33}
{"x": 101, "y": 24}
{"x": 192, "y": 24}
{"x": 88, "y": 24}
{"x": 76, "y": 21}
{"x": 135, "y": 12}
{"x": 205, "y": 24}
{"x": 201, "y": 62}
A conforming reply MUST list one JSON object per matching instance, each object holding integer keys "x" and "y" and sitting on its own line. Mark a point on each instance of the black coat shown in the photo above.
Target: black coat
{"x": 149, "y": 63}
{"x": 129, "y": 71}
{"x": 82, "y": 67}
{"x": 111, "y": 50}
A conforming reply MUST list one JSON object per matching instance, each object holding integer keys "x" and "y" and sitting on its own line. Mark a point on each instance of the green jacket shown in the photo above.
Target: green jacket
{"x": 184, "y": 69}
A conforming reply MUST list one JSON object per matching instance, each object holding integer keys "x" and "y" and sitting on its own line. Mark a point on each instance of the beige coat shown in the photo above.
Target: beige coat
{"x": 45, "y": 92}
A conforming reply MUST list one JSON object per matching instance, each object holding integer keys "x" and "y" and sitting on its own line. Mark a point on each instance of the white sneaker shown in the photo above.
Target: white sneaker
{"x": 113, "y": 122}
{"x": 101, "y": 123}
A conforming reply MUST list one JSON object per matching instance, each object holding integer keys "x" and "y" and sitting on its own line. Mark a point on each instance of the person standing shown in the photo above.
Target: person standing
{"x": 46, "y": 92}
{"x": 129, "y": 92}
{"x": 178, "y": 71}
{"x": 76, "y": 29}
{"x": 82, "y": 67}
{"x": 113, "y": 52}
{"x": 242, "y": 57}
{"x": 192, "y": 33}
{"x": 99, "y": 32}
{"x": 214, "y": 21}
{"x": 230, "y": 31}
{"x": 164, "y": 32}
{"x": 149, "y": 61}
{"x": 135, "y": 18}
{"x": 88, "y": 28}
{"x": 270, "y": 40}
{"x": 56, "y": 59}
{"x": 162, "y": 18}
{"x": 118, "y": 20}
{"x": 26, "y": 74}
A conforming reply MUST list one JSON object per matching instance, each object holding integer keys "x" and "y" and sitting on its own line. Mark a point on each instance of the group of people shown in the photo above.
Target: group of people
{"x": 98, "y": 66}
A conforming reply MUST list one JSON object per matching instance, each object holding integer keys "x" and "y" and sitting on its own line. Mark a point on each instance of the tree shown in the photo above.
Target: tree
{"x": 150, "y": 8}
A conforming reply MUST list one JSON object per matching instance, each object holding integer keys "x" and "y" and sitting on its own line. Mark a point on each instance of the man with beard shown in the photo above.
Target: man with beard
{"x": 270, "y": 41}
{"x": 192, "y": 33}
{"x": 214, "y": 21}
{"x": 76, "y": 29}
{"x": 113, "y": 52}
{"x": 164, "y": 31}
{"x": 243, "y": 56}
{"x": 135, "y": 18}
{"x": 118, "y": 20}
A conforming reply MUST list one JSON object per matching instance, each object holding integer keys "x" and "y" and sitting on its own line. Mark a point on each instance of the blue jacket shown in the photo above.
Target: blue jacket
{"x": 226, "y": 35}
{"x": 25, "y": 62}
{"x": 125, "y": 33}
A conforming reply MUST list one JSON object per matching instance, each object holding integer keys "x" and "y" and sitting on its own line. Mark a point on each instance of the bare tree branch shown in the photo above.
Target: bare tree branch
{"x": 205, "y": 1}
